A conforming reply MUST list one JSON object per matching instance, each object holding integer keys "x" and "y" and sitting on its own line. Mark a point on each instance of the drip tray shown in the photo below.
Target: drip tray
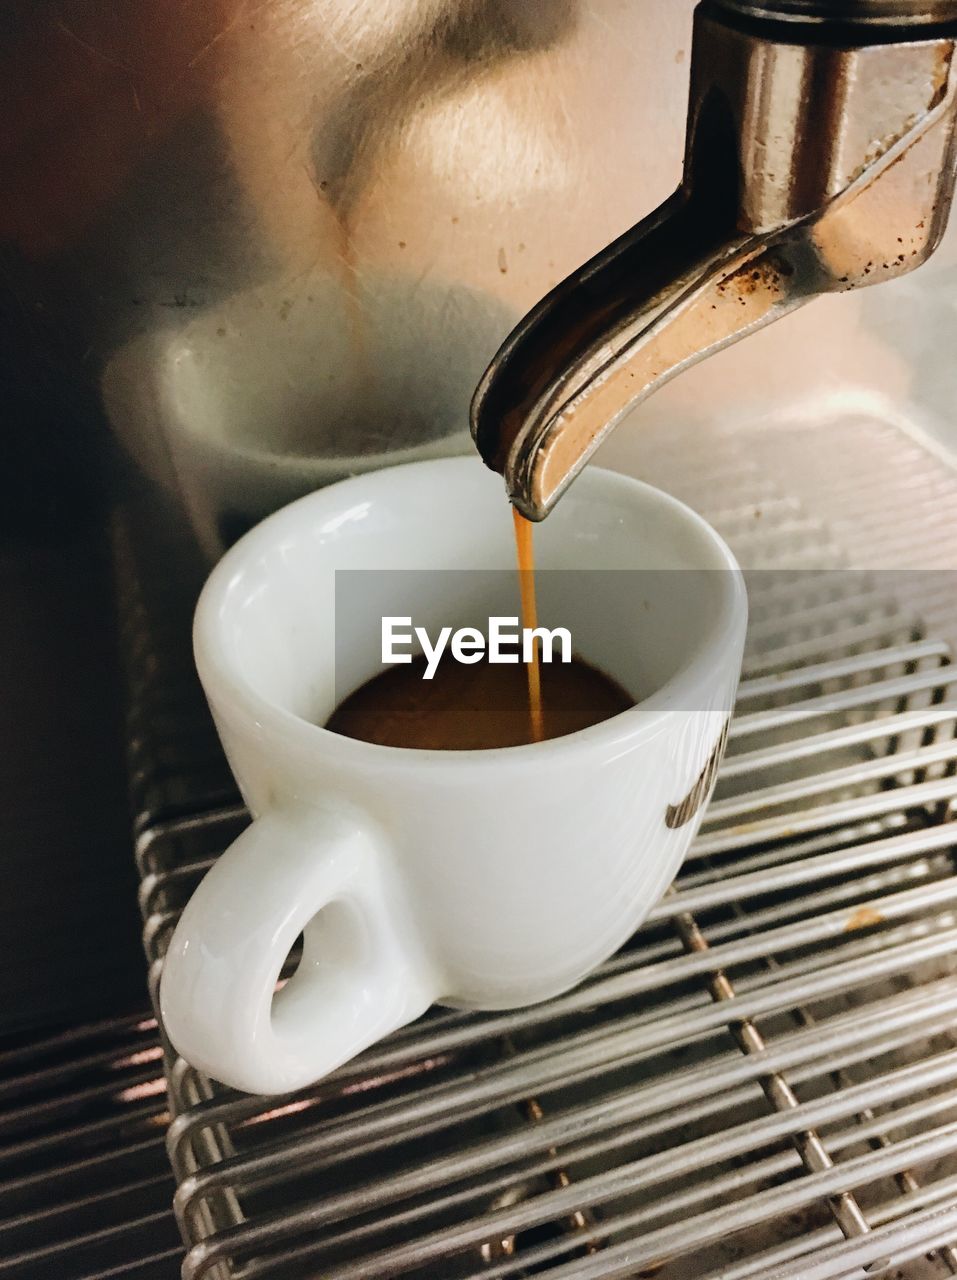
{"x": 85, "y": 1184}
{"x": 763, "y": 1082}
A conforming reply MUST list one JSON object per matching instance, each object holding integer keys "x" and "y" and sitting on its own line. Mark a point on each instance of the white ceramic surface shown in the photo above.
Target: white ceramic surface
{"x": 485, "y": 879}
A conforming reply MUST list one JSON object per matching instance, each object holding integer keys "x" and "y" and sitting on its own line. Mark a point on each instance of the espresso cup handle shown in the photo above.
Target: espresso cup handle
{"x": 363, "y": 972}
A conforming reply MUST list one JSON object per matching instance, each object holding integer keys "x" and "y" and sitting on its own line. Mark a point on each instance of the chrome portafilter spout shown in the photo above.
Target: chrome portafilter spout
{"x": 820, "y": 157}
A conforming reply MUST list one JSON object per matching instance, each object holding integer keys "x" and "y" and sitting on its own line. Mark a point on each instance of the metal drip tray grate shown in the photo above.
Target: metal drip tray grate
{"x": 84, "y": 1180}
{"x": 763, "y": 1083}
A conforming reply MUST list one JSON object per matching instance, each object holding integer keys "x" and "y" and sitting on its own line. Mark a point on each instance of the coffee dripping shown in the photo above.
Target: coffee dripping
{"x": 525, "y": 555}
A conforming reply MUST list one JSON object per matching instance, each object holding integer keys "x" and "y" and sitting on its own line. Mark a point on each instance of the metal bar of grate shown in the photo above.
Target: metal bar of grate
{"x": 84, "y": 1181}
{"x": 907, "y": 1181}
{"x": 901, "y": 1019}
{"x": 795, "y": 1053}
{"x": 807, "y": 1142}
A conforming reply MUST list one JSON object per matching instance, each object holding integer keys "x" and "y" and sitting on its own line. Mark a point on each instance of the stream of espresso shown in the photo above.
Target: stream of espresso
{"x": 466, "y": 707}
{"x": 525, "y": 549}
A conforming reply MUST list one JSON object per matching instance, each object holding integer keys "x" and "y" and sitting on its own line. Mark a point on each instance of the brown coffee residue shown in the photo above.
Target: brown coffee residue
{"x": 863, "y": 918}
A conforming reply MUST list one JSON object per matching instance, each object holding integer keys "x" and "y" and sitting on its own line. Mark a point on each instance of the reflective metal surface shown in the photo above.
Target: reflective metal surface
{"x": 85, "y": 1187}
{"x": 892, "y": 13}
{"x": 810, "y": 168}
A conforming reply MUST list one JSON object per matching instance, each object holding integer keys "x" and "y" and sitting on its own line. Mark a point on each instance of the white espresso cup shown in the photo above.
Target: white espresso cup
{"x": 481, "y": 879}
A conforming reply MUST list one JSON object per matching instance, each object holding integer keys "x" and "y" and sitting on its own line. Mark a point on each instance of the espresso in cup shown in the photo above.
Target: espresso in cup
{"x": 456, "y": 707}
{"x": 476, "y": 707}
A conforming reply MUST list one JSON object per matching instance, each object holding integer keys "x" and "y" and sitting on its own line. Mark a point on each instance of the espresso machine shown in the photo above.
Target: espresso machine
{"x": 251, "y": 247}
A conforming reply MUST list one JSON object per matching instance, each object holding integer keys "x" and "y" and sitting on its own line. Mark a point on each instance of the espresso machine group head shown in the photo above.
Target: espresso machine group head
{"x": 819, "y": 158}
